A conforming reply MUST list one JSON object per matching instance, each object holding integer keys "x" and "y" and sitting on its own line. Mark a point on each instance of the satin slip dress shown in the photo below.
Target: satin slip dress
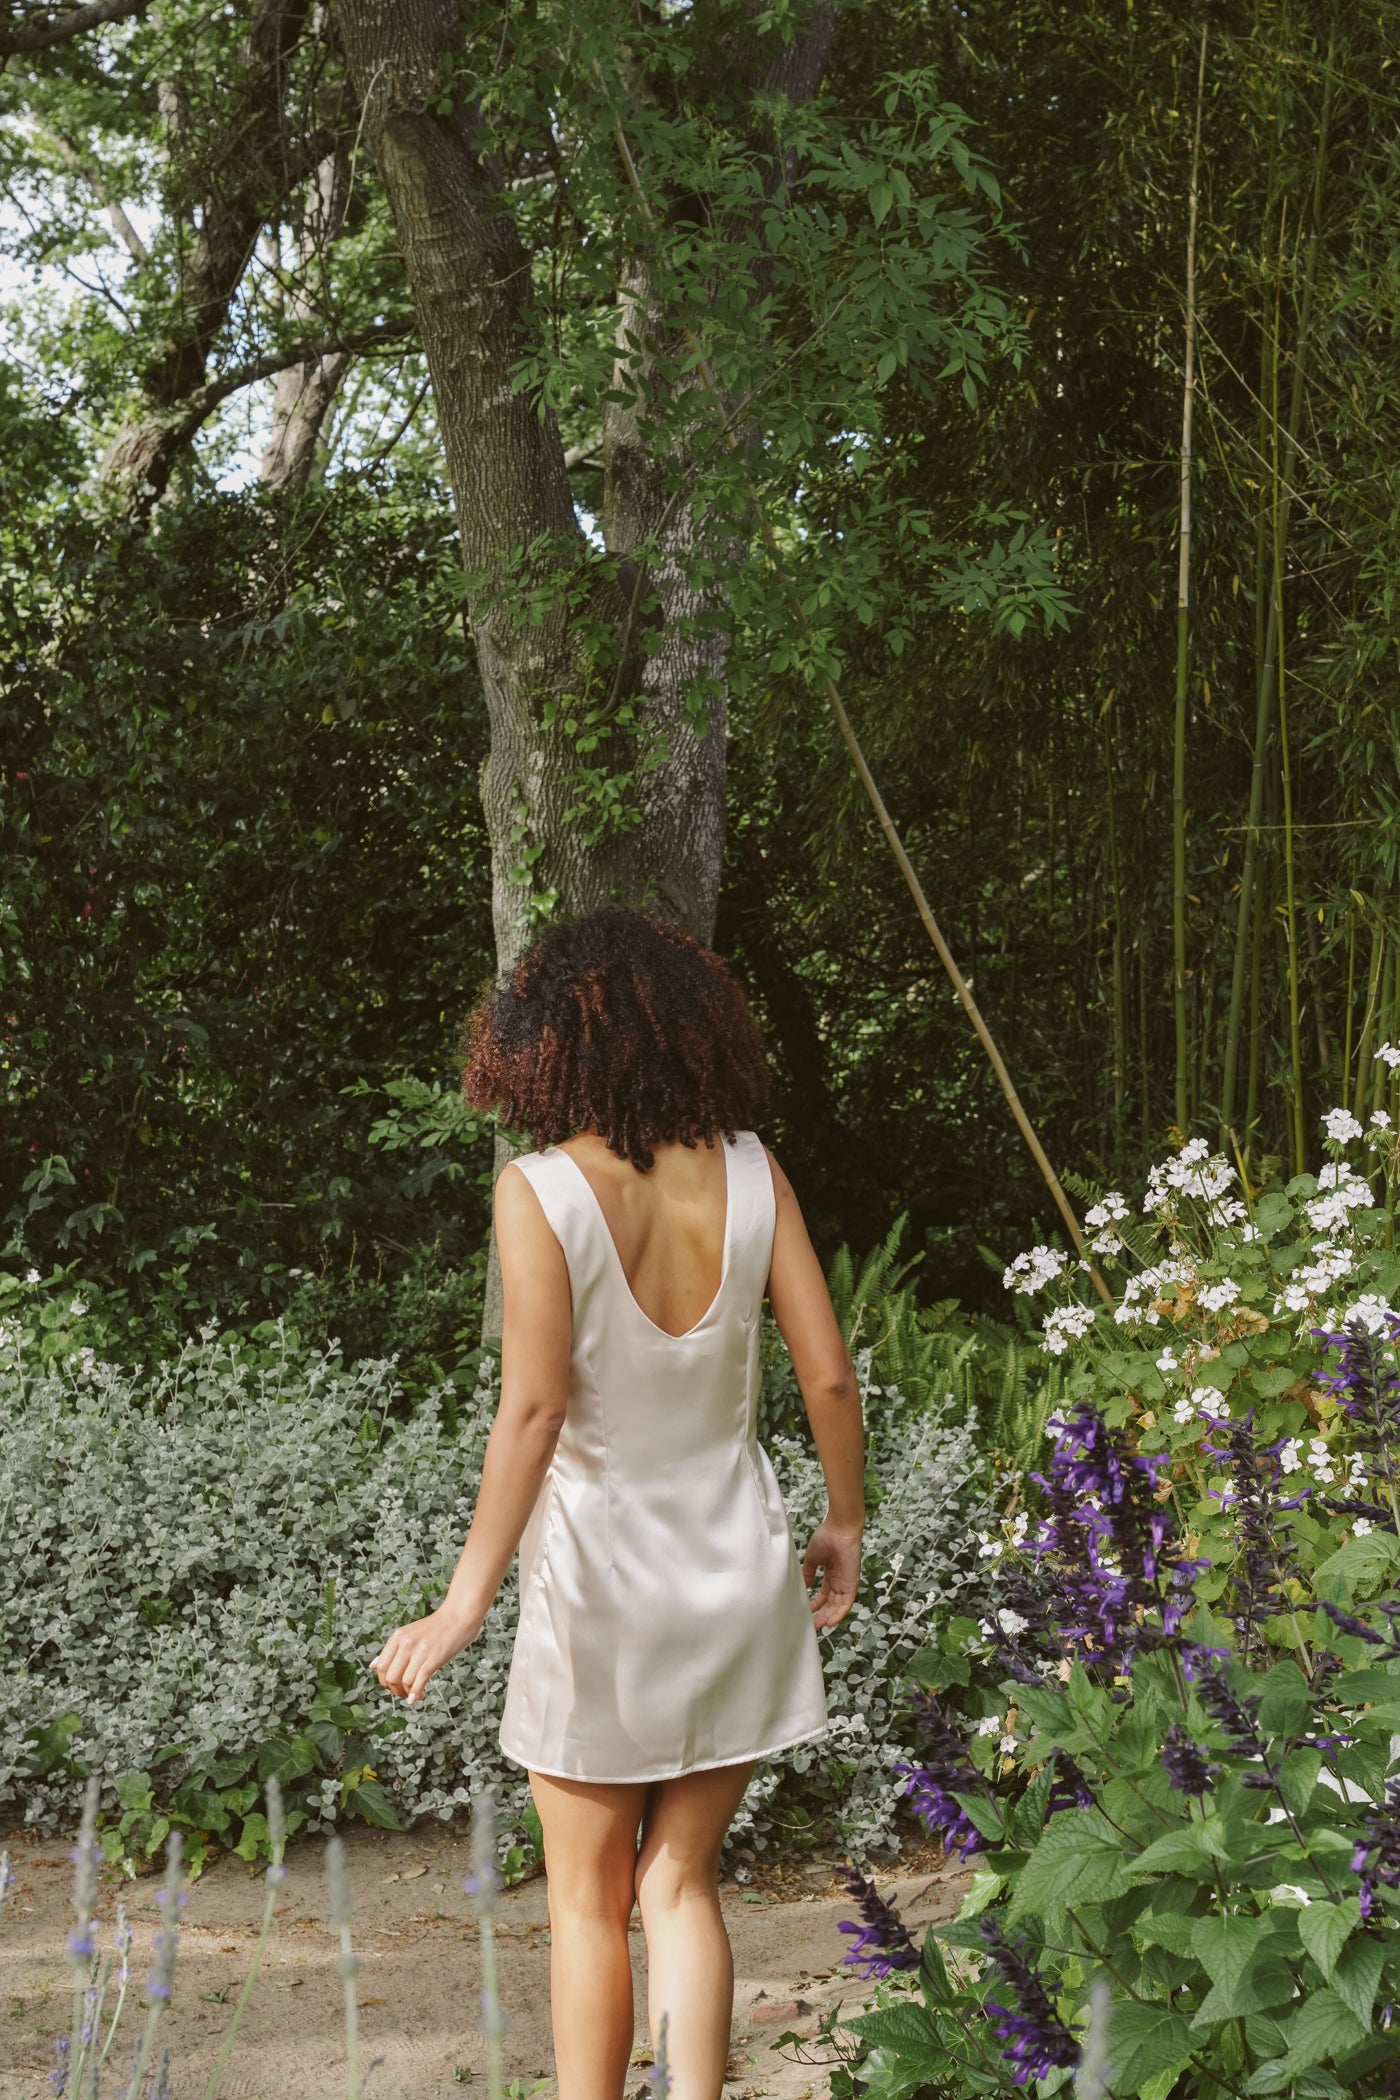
{"x": 664, "y": 1625}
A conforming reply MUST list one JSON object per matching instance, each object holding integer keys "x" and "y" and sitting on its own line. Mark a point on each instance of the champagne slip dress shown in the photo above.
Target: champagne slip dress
{"x": 664, "y": 1625}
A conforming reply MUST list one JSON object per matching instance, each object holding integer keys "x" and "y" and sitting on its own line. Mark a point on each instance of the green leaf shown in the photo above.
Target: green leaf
{"x": 1269, "y": 1384}
{"x": 900, "y": 2027}
{"x": 369, "y": 1800}
{"x": 288, "y": 1761}
{"x": 983, "y": 1813}
{"x": 1325, "y": 1928}
{"x": 1297, "y": 1776}
{"x": 1364, "y": 1687}
{"x": 1171, "y": 1929}
{"x": 255, "y": 1838}
{"x": 1078, "y": 1860}
{"x": 1357, "y": 1561}
{"x": 985, "y": 1889}
{"x": 1264, "y": 1981}
{"x": 1143, "y": 2042}
{"x": 1225, "y": 1946}
{"x": 134, "y": 1790}
{"x": 1324, "y": 2025}
{"x": 1286, "y": 1701}
{"x": 1182, "y": 1851}
{"x": 1356, "y": 1975}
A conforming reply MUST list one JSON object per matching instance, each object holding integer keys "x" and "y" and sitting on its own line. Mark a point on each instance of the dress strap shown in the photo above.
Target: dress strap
{"x": 754, "y": 1212}
{"x": 571, "y": 1213}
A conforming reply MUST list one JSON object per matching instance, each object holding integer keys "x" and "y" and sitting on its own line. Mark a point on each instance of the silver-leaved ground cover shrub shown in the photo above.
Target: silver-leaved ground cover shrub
{"x": 201, "y": 1558}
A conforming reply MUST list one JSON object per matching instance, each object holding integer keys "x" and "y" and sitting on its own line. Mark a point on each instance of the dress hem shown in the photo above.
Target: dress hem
{"x": 706, "y": 1764}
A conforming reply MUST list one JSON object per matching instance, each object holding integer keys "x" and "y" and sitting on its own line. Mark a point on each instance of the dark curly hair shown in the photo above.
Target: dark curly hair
{"x": 621, "y": 1023}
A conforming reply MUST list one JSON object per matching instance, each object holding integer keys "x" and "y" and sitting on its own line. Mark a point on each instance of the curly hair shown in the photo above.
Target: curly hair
{"x": 619, "y": 1023}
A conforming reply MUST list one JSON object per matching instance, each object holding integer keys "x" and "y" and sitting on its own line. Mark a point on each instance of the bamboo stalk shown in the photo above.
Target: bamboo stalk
{"x": 1267, "y": 675}
{"x": 1120, "y": 1011}
{"x": 1183, "y": 638}
{"x": 710, "y": 384}
{"x": 1295, "y": 1038}
{"x": 1368, "y": 1019}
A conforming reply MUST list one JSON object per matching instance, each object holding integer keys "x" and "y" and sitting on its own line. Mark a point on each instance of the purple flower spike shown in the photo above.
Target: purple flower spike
{"x": 1035, "y": 2039}
{"x": 1364, "y": 1383}
{"x": 944, "y": 1771}
{"x": 1107, "y": 1557}
{"x": 1377, "y": 1855}
{"x": 1186, "y": 1765}
{"x": 880, "y": 1944}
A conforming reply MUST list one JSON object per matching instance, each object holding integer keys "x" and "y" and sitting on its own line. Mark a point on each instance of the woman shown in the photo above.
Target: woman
{"x": 666, "y": 1641}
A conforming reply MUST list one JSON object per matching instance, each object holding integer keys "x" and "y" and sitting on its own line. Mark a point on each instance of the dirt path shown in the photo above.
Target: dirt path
{"x": 416, "y": 1938}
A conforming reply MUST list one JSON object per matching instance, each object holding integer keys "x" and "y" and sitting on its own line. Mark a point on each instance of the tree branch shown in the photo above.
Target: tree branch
{"x": 200, "y": 405}
{"x": 61, "y": 29}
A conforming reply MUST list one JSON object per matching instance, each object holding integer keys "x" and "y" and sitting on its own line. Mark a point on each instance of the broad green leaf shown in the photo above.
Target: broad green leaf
{"x": 287, "y": 1761}
{"x": 1325, "y": 1928}
{"x": 1078, "y": 1860}
{"x": 1323, "y": 2026}
{"x": 901, "y": 2027}
{"x": 1263, "y": 1982}
{"x": 1225, "y": 1946}
{"x": 1171, "y": 1929}
{"x": 255, "y": 1837}
{"x": 1357, "y": 1972}
{"x": 1180, "y": 1851}
{"x": 134, "y": 1790}
{"x": 1143, "y": 2041}
{"x": 1364, "y": 1687}
{"x": 1357, "y": 1561}
{"x": 1269, "y": 1384}
{"x": 1286, "y": 1700}
{"x": 1297, "y": 1776}
{"x": 1160, "y": 2084}
{"x": 369, "y": 1800}
{"x": 984, "y": 1814}
{"x": 985, "y": 1889}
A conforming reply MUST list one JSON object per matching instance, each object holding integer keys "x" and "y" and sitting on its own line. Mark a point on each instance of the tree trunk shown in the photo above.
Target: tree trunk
{"x": 521, "y": 540}
{"x": 302, "y": 395}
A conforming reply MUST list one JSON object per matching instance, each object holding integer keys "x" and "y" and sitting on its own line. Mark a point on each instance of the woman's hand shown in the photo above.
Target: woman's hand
{"x": 835, "y": 1554}
{"x": 413, "y": 1653}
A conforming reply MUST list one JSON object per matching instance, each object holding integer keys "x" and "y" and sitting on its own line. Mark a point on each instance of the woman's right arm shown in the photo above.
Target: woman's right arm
{"x": 802, "y": 1308}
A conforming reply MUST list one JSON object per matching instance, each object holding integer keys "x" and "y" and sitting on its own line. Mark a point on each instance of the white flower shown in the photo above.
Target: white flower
{"x": 1064, "y": 1324}
{"x": 1380, "y": 1120}
{"x": 1031, "y": 1272}
{"x": 1322, "y": 1466}
{"x": 1216, "y": 1296}
{"x": 989, "y": 1548}
{"x": 1011, "y": 1622}
{"x": 1184, "y": 1411}
{"x": 1341, "y": 1126}
{"x": 1249, "y": 1233}
{"x": 1113, "y": 1207}
{"x": 1290, "y": 1458}
{"x": 1210, "y": 1402}
{"x": 32, "y": 1276}
{"x": 1167, "y": 1362}
{"x": 77, "y": 1309}
{"x": 1007, "y": 1745}
{"x": 1389, "y": 1054}
{"x": 1360, "y": 1526}
{"x": 1356, "y": 1473}
{"x": 990, "y": 1724}
{"x": 1369, "y": 1310}
{"x": 1291, "y": 1892}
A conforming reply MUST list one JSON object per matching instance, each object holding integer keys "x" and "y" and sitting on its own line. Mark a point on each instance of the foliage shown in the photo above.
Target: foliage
{"x": 242, "y": 898}
{"x": 208, "y": 1550}
{"x": 1169, "y": 1751}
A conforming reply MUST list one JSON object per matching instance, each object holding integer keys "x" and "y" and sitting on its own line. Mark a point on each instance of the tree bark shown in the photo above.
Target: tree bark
{"x": 302, "y": 394}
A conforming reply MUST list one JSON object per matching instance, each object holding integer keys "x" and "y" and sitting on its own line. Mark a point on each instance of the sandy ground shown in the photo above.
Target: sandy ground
{"x": 416, "y": 1937}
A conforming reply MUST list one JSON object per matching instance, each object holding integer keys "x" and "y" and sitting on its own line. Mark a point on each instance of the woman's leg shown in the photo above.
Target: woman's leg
{"x": 690, "y": 1970}
{"x": 590, "y": 1845}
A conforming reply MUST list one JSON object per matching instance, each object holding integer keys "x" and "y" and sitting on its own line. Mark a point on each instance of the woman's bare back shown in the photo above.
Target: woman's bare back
{"x": 667, "y": 1225}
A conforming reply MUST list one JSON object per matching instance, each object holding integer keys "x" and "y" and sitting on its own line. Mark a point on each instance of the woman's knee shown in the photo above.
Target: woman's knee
{"x": 668, "y": 1876}
{"x": 601, "y": 1894}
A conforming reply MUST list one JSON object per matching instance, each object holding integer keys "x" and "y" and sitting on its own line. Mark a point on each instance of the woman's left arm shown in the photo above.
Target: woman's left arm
{"x": 536, "y": 1338}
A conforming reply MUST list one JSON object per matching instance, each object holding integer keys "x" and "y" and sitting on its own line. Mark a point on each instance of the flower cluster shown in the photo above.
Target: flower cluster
{"x": 1377, "y": 1856}
{"x": 1106, "y": 1555}
{"x": 1036, "y": 2040}
{"x": 1205, "y": 1177}
{"x": 943, "y": 1772}
{"x": 1034, "y": 1270}
{"x": 880, "y": 1943}
{"x": 1189, "y": 1771}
